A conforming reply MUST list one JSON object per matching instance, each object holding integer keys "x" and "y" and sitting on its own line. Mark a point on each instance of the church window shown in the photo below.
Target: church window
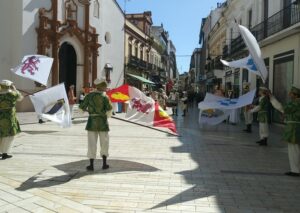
{"x": 96, "y": 8}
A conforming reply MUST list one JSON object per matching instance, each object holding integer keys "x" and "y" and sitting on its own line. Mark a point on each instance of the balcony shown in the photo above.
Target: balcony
{"x": 215, "y": 64}
{"x": 280, "y": 21}
{"x": 138, "y": 63}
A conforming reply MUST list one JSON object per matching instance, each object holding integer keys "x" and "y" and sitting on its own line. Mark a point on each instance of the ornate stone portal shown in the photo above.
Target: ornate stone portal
{"x": 51, "y": 30}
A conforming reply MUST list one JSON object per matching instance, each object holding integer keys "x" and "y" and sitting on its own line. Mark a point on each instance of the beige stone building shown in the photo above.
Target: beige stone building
{"x": 142, "y": 54}
{"x": 276, "y": 26}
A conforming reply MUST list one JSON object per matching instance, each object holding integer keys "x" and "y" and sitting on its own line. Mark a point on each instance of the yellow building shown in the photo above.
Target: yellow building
{"x": 142, "y": 56}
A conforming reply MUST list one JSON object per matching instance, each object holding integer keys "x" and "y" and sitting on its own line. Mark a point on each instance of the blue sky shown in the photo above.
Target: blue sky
{"x": 182, "y": 18}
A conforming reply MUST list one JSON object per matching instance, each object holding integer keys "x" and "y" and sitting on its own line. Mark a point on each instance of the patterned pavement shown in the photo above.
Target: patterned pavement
{"x": 216, "y": 169}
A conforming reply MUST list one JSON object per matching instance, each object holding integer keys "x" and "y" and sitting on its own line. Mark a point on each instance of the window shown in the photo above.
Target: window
{"x": 96, "y": 8}
{"x": 136, "y": 51}
{"x": 250, "y": 19}
{"x": 129, "y": 49}
{"x": 245, "y": 75}
{"x": 283, "y": 79}
{"x": 141, "y": 54}
{"x": 107, "y": 38}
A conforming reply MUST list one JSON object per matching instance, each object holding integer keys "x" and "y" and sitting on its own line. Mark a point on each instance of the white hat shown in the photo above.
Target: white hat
{"x": 98, "y": 81}
{"x": 7, "y": 83}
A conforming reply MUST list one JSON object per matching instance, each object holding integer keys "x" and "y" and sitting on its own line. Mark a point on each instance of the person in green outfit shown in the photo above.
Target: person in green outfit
{"x": 9, "y": 125}
{"x": 262, "y": 116}
{"x": 98, "y": 105}
{"x": 291, "y": 134}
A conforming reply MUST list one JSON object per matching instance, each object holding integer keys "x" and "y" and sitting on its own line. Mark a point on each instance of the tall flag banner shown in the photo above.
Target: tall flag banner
{"x": 142, "y": 109}
{"x": 215, "y": 109}
{"x": 35, "y": 67}
{"x": 254, "y": 62}
{"x": 52, "y": 104}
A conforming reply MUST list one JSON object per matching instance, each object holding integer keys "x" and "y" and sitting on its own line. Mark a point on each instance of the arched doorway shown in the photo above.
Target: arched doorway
{"x": 67, "y": 65}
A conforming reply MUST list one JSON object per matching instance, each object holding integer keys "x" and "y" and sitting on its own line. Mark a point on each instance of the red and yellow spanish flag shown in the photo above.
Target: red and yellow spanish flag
{"x": 120, "y": 94}
{"x": 163, "y": 119}
{"x": 142, "y": 109}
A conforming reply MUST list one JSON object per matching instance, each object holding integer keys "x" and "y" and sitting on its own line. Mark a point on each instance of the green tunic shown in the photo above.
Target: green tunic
{"x": 262, "y": 115}
{"x": 9, "y": 125}
{"x": 292, "y": 118}
{"x": 97, "y": 104}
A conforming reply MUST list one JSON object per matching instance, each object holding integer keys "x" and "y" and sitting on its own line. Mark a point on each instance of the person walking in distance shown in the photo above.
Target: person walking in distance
{"x": 247, "y": 114}
{"x": 9, "y": 125}
{"x": 98, "y": 105}
{"x": 173, "y": 99}
{"x": 291, "y": 133}
{"x": 72, "y": 99}
{"x": 262, "y": 116}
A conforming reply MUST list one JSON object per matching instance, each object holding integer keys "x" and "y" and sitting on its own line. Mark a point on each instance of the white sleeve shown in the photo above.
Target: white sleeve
{"x": 255, "y": 109}
{"x": 276, "y": 104}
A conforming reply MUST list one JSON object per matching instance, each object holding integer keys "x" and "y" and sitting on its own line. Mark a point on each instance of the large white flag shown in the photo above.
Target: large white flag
{"x": 142, "y": 109}
{"x": 215, "y": 109}
{"x": 35, "y": 67}
{"x": 52, "y": 104}
{"x": 254, "y": 62}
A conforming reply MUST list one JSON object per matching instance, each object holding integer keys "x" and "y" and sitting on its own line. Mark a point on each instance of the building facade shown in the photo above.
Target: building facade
{"x": 275, "y": 24}
{"x": 78, "y": 34}
{"x": 149, "y": 56}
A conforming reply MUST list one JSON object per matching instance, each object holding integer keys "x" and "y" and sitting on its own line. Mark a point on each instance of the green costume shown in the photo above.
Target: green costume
{"x": 9, "y": 125}
{"x": 292, "y": 128}
{"x": 262, "y": 115}
{"x": 97, "y": 104}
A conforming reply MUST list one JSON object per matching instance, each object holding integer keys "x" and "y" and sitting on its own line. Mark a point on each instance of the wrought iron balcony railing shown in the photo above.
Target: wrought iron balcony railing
{"x": 136, "y": 62}
{"x": 281, "y": 20}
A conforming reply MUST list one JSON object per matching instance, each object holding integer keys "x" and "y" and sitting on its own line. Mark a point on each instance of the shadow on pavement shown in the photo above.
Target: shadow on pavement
{"x": 76, "y": 170}
{"x": 39, "y": 132}
{"x": 233, "y": 175}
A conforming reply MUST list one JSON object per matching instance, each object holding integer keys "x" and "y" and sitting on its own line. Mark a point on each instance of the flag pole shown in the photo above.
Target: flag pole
{"x": 28, "y": 93}
{"x": 142, "y": 125}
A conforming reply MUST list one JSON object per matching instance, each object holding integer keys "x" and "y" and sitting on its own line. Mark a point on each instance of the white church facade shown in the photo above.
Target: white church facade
{"x": 85, "y": 38}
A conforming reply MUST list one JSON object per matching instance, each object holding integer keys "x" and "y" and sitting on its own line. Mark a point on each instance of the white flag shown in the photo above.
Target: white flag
{"x": 35, "y": 67}
{"x": 141, "y": 108}
{"x": 215, "y": 109}
{"x": 246, "y": 63}
{"x": 52, "y": 104}
{"x": 254, "y": 62}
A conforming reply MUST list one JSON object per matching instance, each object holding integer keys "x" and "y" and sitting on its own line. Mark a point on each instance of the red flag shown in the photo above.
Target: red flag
{"x": 120, "y": 94}
{"x": 162, "y": 119}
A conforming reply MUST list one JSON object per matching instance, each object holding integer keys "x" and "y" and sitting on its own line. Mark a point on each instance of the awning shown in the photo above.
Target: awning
{"x": 144, "y": 80}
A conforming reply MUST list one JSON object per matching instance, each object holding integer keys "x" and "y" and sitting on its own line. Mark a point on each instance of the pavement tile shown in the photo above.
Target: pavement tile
{"x": 217, "y": 169}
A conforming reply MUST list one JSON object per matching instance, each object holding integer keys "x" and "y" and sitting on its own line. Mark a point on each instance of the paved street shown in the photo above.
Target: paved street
{"x": 218, "y": 169}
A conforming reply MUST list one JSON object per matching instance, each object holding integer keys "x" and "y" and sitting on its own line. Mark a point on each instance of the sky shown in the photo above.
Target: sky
{"x": 181, "y": 18}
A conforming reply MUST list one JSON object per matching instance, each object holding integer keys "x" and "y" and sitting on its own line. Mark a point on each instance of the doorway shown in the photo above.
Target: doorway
{"x": 67, "y": 65}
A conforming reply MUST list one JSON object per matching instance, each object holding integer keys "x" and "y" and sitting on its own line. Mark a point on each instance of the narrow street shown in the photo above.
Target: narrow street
{"x": 220, "y": 169}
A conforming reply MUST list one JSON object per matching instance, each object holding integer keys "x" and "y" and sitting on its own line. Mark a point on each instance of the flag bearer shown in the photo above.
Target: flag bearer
{"x": 9, "y": 125}
{"x": 262, "y": 116}
{"x": 247, "y": 114}
{"x": 98, "y": 106}
{"x": 292, "y": 129}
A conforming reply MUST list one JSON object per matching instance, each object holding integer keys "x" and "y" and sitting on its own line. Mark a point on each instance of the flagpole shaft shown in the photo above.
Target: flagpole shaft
{"x": 150, "y": 127}
{"x": 28, "y": 93}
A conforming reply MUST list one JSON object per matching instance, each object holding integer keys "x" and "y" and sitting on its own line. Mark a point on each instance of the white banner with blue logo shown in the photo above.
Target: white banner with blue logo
{"x": 215, "y": 109}
{"x": 254, "y": 62}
